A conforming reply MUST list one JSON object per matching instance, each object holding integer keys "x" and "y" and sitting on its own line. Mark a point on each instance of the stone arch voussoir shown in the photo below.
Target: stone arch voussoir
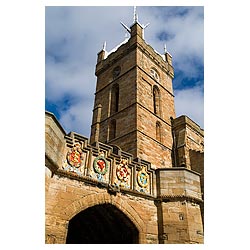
{"x": 102, "y": 198}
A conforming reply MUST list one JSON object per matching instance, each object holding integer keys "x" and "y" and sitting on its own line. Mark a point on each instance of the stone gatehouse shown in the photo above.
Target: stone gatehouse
{"x": 139, "y": 177}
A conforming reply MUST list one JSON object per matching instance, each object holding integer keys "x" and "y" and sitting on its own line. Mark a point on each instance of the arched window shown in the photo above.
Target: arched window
{"x": 158, "y": 132}
{"x": 112, "y": 130}
{"x": 114, "y": 99}
{"x": 156, "y": 100}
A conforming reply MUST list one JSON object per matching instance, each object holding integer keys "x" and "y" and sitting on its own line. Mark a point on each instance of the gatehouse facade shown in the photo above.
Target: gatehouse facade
{"x": 139, "y": 177}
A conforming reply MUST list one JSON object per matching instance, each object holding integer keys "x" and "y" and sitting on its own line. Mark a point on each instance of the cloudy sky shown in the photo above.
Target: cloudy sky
{"x": 74, "y": 36}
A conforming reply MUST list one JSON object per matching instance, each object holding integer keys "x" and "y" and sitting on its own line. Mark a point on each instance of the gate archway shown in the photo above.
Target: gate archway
{"x": 102, "y": 224}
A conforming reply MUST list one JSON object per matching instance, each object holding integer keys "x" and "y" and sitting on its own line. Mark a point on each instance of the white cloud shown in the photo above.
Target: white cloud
{"x": 190, "y": 102}
{"x": 74, "y": 36}
{"x": 69, "y": 79}
{"x": 78, "y": 118}
{"x": 186, "y": 36}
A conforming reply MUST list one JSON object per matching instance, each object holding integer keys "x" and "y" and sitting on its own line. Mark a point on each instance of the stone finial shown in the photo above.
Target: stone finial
{"x": 104, "y": 46}
{"x": 165, "y": 48}
{"x": 135, "y": 15}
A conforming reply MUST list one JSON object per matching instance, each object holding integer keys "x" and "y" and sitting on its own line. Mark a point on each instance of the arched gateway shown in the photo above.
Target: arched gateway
{"x": 102, "y": 224}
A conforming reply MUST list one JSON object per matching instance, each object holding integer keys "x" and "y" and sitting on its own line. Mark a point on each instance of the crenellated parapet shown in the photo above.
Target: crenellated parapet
{"x": 104, "y": 165}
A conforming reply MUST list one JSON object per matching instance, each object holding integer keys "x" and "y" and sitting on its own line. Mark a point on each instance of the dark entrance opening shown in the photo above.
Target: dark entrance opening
{"x": 101, "y": 224}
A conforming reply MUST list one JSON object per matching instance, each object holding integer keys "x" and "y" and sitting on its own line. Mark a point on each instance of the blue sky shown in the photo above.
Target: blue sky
{"x": 74, "y": 36}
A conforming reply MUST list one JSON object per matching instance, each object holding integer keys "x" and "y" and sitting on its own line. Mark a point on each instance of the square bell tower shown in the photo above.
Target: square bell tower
{"x": 134, "y": 101}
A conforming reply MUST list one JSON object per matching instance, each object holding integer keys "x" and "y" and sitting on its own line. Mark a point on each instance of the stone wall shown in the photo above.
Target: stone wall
{"x": 189, "y": 149}
{"x": 188, "y": 137}
{"x": 67, "y": 197}
{"x": 55, "y": 142}
{"x": 179, "y": 196}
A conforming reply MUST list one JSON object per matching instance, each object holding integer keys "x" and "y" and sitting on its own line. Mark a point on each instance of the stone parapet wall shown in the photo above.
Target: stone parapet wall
{"x": 178, "y": 182}
{"x": 55, "y": 141}
{"x": 188, "y": 138}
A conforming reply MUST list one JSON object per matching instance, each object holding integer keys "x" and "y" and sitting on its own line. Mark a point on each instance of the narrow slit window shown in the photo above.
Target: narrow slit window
{"x": 115, "y": 99}
{"x": 158, "y": 131}
{"x": 156, "y": 100}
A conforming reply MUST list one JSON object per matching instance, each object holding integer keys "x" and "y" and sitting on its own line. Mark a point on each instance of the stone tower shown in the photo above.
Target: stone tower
{"x": 134, "y": 101}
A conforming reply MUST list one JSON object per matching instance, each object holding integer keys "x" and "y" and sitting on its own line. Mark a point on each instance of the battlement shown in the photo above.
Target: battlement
{"x": 107, "y": 59}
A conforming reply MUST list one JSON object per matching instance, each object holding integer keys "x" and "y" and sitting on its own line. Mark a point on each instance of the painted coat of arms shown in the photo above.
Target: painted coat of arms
{"x": 122, "y": 171}
{"x": 101, "y": 164}
{"x": 75, "y": 157}
{"x": 143, "y": 178}
{"x": 123, "y": 174}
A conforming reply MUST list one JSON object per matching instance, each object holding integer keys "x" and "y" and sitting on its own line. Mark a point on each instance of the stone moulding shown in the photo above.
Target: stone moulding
{"x": 167, "y": 198}
{"x": 86, "y": 179}
{"x": 177, "y": 169}
{"x": 162, "y": 198}
{"x": 90, "y": 181}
